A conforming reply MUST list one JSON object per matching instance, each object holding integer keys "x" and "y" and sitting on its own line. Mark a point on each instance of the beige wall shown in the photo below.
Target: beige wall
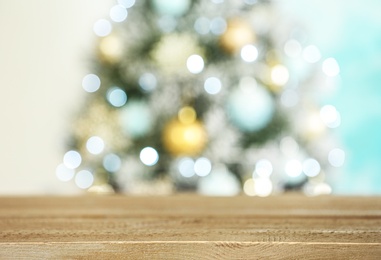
{"x": 43, "y": 50}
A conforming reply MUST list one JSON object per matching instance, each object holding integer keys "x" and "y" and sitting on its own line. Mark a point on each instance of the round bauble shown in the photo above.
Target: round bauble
{"x": 136, "y": 118}
{"x": 220, "y": 182}
{"x": 250, "y": 109}
{"x": 184, "y": 139}
{"x": 171, "y": 7}
{"x": 238, "y": 34}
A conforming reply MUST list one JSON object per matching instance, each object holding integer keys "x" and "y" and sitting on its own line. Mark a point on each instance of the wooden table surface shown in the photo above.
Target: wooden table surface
{"x": 190, "y": 227}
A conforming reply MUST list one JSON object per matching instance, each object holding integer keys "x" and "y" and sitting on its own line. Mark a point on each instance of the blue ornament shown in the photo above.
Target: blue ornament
{"x": 220, "y": 182}
{"x": 250, "y": 108}
{"x": 171, "y": 7}
{"x": 136, "y": 118}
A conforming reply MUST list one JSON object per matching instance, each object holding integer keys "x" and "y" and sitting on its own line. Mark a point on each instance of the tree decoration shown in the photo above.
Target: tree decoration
{"x": 171, "y": 7}
{"x": 212, "y": 96}
{"x": 185, "y": 135}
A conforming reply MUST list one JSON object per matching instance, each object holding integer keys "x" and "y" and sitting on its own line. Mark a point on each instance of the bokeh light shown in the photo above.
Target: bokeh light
{"x": 148, "y": 82}
{"x": 249, "y": 53}
{"x": 127, "y": 3}
{"x": 112, "y": 162}
{"x": 248, "y": 187}
{"x": 102, "y": 27}
{"x": 186, "y": 167}
{"x": 279, "y": 75}
{"x": 212, "y": 85}
{"x": 149, "y": 156}
{"x": 218, "y": 26}
{"x": 330, "y": 116}
{"x": 293, "y": 168}
{"x": 63, "y": 173}
{"x": 84, "y": 179}
{"x": 118, "y": 13}
{"x": 117, "y": 97}
{"x": 195, "y": 64}
{"x": 311, "y": 167}
{"x": 72, "y": 159}
{"x": 263, "y": 187}
{"x": 263, "y": 168}
{"x": 91, "y": 83}
{"x": 202, "y": 166}
{"x": 336, "y": 157}
{"x": 95, "y": 145}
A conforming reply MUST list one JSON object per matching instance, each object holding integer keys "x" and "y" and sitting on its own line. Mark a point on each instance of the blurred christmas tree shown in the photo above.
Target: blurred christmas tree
{"x": 209, "y": 95}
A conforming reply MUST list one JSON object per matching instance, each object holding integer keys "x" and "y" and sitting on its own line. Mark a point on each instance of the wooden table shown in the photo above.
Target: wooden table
{"x": 190, "y": 227}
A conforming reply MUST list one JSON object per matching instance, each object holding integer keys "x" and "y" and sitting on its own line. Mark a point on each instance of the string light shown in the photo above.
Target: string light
{"x": 279, "y": 75}
{"x": 63, "y": 173}
{"x": 195, "y": 64}
{"x": 263, "y": 168}
{"x": 336, "y": 157}
{"x": 95, "y": 145}
{"x": 84, "y": 179}
{"x": 212, "y": 85}
{"x": 112, "y": 162}
{"x": 186, "y": 167}
{"x": 72, "y": 159}
{"x": 202, "y": 166}
{"x": 149, "y": 156}
{"x": 118, "y": 13}
{"x": 91, "y": 83}
{"x": 249, "y": 53}
{"x": 127, "y": 3}
{"x": 102, "y": 27}
{"x": 117, "y": 97}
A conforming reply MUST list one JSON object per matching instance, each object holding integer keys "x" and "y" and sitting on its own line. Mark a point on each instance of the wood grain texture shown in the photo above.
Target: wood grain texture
{"x": 190, "y": 227}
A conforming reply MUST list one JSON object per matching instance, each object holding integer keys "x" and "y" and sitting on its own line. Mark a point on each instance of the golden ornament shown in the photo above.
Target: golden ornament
{"x": 110, "y": 49}
{"x": 185, "y": 135}
{"x": 238, "y": 34}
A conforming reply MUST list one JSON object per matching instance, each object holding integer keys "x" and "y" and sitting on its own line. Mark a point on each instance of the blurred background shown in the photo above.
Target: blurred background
{"x": 48, "y": 47}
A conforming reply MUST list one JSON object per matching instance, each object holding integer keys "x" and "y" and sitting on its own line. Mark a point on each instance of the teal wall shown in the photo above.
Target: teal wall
{"x": 359, "y": 54}
{"x": 350, "y": 31}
